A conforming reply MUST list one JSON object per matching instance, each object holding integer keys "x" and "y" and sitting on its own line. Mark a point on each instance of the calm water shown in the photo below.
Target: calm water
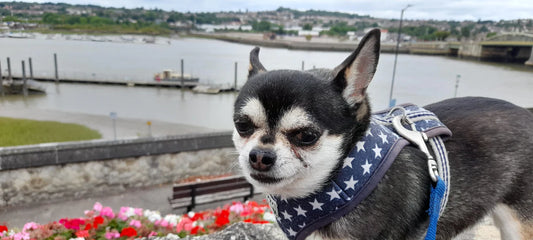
{"x": 419, "y": 79}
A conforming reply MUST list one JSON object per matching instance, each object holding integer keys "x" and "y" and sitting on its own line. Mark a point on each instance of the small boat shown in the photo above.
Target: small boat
{"x": 206, "y": 89}
{"x": 169, "y": 75}
{"x": 19, "y": 35}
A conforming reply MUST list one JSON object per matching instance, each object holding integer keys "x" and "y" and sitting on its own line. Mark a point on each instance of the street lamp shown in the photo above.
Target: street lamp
{"x": 396, "y": 55}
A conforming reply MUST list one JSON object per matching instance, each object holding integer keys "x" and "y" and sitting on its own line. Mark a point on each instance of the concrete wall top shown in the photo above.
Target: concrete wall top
{"x": 74, "y": 152}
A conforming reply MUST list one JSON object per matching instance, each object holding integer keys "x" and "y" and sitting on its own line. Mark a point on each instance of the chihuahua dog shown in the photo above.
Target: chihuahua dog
{"x": 293, "y": 129}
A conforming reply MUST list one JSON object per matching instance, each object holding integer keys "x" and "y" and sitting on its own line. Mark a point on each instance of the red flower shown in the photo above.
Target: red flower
{"x": 222, "y": 218}
{"x": 97, "y": 221}
{"x": 128, "y": 232}
{"x": 72, "y": 223}
{"x": 3, "y": 228}
{"x": 197, "y": 216}
{"x": 83, "y": 234}
{"x": 88, "y": 227}
{"x": 196, "y": 229}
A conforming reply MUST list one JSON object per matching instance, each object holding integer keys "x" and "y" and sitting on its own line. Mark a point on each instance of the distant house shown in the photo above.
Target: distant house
{"x": 313, "y": 33}
{"x": 212, "y": 28}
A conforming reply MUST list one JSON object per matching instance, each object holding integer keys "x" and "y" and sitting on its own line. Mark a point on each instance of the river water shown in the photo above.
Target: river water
{"x": 419, "y": 79}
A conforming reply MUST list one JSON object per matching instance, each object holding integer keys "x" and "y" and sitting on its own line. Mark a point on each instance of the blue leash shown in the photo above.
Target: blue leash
{"x": 435, "y": 198}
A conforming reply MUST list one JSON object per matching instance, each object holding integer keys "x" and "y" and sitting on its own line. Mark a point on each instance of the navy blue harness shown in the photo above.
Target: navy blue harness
{"x": 361, "y": 171}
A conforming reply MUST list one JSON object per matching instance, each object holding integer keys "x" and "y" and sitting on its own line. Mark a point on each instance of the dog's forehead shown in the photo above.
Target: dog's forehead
{"x": 275, "y": 93}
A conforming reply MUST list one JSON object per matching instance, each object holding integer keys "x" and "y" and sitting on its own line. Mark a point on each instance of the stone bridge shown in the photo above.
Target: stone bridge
{"x": 508, "y": 47}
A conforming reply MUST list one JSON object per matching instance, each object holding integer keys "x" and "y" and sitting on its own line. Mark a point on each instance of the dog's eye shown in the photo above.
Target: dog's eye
{"x": 245, "y": 128}
{"x": 305, "y": 137}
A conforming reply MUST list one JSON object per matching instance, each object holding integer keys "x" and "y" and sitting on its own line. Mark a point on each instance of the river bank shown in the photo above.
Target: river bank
{"x": 294, "y": 42}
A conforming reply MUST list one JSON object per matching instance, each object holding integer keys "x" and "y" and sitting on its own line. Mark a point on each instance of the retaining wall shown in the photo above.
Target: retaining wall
{"x": 71, "y": 170}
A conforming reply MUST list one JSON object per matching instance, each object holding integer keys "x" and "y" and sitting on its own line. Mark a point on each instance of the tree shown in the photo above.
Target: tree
{"x": 441, "y": 35}
{"x": 262, "y": 26}
{"x": 307, "y": 27}
{"x": 466, "y": 31}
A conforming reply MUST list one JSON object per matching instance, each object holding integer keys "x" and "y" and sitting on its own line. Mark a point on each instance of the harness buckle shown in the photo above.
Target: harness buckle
{"x": 419, "y": 139}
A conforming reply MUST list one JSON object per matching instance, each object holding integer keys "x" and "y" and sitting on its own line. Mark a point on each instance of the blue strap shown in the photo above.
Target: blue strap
{"x": 435, "y": 198}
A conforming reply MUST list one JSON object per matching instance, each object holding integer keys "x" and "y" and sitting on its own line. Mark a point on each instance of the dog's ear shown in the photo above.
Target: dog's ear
{"x": 255, "y": 65}
{"x": 353, "y": 76}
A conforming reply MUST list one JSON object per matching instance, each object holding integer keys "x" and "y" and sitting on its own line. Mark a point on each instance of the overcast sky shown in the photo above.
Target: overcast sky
{"x": 421, "y": 9}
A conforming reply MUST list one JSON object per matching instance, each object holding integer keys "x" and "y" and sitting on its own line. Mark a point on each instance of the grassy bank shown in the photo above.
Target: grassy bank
{"x": 15, "y": 132}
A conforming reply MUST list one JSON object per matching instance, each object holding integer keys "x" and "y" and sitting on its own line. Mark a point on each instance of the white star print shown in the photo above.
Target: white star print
{"x": 351, "y": 183}
{"x": 302, "y": 226}
{"x": 383, "y": 137}
{"x": 286, "y": 215}
{"x": 366, "y": 167}
{"x": 368, "y": 133}
{"x": 291, "y": 232}
{"x": 377, "y": 151}
{"x": 333, "y": 194}
{"x": 361, "y": 146}
{"x": 300, "y": 211}
{"x": 284, "y": 199}
{"x": 316, "y": 205}
{"x": 348, "y": 162}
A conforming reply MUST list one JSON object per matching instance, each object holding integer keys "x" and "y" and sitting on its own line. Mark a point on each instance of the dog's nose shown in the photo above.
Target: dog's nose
{"x": 261, "y": 159}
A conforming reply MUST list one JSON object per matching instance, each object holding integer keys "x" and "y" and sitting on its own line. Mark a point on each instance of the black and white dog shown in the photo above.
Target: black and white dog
{"x": 294, "y": 128}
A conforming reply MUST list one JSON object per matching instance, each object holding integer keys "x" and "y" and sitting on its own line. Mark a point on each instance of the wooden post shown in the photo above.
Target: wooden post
{"x": 24, "y": 81}
{"x": 235, "y": 84}
{"x": 31, "y": 68}
{"x": 9, "y": 77}
{"x": 1, "y": 82}
{"x": 55, "y": 64}
{"x": 182, "y": 75}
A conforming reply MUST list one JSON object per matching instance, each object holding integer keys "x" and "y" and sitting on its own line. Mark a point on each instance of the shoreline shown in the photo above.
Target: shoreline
{"x": 327, "y": 44}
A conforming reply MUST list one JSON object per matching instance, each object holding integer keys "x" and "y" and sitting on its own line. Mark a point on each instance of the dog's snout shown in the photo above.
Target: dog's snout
{"x": 262, "y": 159}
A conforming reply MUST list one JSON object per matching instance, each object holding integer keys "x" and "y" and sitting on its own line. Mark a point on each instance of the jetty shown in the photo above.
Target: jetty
{"x": 167, "y": 84}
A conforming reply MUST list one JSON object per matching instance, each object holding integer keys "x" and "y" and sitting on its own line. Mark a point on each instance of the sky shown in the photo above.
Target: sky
{"x": 421, "y": 9}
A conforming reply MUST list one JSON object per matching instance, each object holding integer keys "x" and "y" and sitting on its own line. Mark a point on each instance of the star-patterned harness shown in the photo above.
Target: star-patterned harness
{"x": 362, "y": 170}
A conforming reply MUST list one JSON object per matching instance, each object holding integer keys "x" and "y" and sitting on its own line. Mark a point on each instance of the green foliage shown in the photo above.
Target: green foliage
{"x": 424, "y": 32}
{"x": 11, "y": 19}
{"x": 441, "y": 35}
{"x": 15, "y": 132}
{"x": 320, "y": 13}
{"x": 491, "y": 34}
{"x": 211, "y": 18}
{"x": 339, "y": 29}
{"x": 100, "y": 24}
{"x": 307, "y": 27}
{"x": 262, "y": 26}
{"x": 467, "y": 30}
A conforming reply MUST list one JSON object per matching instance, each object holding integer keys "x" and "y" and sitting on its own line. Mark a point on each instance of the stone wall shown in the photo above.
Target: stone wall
{"x": 75, "y": 178}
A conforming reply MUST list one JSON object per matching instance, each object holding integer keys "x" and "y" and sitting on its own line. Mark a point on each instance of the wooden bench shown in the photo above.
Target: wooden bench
{"x": 191, "y": 194}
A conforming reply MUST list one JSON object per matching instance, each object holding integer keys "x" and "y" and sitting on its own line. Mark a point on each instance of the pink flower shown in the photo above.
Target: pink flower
{"x": 21, "y": 236}
{"x": 152, "y": 234}
{"x": 98, "y": 207}
{"x": 184, "y": 224}
{"x": 139, "y": 212}
{"x": 163, "y": 223}
{"x": 135, "y": 223}
{"x": 30, "y": 226}
{"x": 237, "y": 207}
{"x": 112, "y": 235}
{"x": 107, "y": 212}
